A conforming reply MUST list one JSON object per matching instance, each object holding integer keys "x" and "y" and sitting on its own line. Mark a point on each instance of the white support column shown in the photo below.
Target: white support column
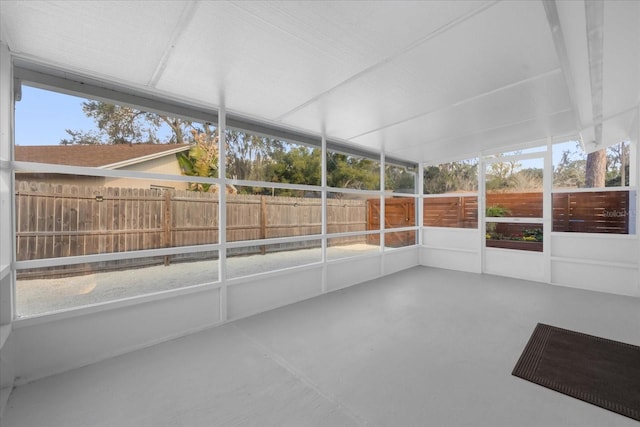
{"x": 634, "y": 163}
{"x": 547, "y": 209}
{"x": 323, "y": 198}
{"x": 382, "y": 209}
{"x": 7, "y": 225}
{"x": 222, "y": 208}
{"x": 482, "y": 206}
{"x": 7, "y": 250}
{"x": 420, "y": 202}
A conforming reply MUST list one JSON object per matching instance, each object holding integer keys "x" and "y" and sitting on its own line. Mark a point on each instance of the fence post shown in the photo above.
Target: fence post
{"x": 166, "y": 234}
{"x": 263, "y": 222}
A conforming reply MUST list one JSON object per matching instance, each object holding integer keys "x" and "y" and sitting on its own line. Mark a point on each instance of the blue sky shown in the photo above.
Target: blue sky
{"x": 42, "y": 117}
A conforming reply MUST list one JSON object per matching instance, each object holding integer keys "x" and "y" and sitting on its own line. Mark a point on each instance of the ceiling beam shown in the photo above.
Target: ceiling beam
{"x": 551, "y": 10}
{"x": 594, "y": 12}
{"x": 183, "y": 22}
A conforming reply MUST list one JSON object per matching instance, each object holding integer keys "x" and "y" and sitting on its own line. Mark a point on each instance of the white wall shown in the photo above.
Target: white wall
{"x": 42, "y": 347}
{"x": 597, "y": 262}
{"x": 451, "y": 248}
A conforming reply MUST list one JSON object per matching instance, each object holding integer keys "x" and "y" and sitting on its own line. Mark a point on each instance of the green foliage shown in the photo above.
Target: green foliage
{"x": 201, "y": 160}
{"x": 400, "y": 179}
{"x": 503, "y": 175}
{"x": 494, "y": 211}
{"x": 297, "y": 165}
{"x": 451, "y": 177}
{"x": 532, "y": 234}
{"x": 345, "y": 171}
{"x": 497, "y": 211}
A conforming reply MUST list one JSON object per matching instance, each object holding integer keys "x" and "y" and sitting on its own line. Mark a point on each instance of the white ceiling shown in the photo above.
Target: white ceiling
{"x": 423, "y": 80}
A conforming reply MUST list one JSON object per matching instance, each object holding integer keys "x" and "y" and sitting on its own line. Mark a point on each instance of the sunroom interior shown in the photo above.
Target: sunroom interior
{"x": 305, "y": 176}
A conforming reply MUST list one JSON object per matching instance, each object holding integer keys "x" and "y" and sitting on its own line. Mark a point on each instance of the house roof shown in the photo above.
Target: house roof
{"x": 102, "y": 156}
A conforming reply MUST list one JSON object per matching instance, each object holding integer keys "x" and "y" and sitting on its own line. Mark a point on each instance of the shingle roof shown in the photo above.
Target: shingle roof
{"x": 93, "y": 155}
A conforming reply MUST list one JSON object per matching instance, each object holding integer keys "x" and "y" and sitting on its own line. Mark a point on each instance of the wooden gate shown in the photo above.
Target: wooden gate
{"x": 398, "y": 212}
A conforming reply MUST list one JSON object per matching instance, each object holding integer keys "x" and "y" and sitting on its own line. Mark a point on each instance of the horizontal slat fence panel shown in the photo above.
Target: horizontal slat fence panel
{"x": 455, "y": 211}
{"x": 527, "y": 205}
{"x": 587, "y": 212}
{"x": 592, "y": 212}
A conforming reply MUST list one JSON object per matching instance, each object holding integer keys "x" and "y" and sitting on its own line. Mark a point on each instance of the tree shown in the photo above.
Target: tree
{"x": 82, "y": 137}
{"x": 450, "y": 177}
{"x": 570, "y": 171}
{"x": 247, "y": 155}
{"x": 297, "y": 165}
{"x": 618, "y": 165}
{"x": 502, "y": 175}
{"x": 125, "y": 125}
{"x": 344, "y": 171}
{"x": 399, "y": 178}
{"x": 596, "y": 169}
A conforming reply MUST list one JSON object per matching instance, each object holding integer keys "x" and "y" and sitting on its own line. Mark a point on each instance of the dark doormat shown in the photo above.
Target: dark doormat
{"x": 596, "y": 370}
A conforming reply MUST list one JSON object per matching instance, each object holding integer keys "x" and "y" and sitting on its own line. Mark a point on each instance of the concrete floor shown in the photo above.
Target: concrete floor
{"x": 422, "y": 347}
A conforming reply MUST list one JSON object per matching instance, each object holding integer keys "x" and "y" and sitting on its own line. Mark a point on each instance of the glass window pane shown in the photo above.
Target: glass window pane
{"x": 262, "y": 213}
{"x": 594, "y": 212}
{"x": 399, "y": 212}
{"x": 350, "y": 171}
{"x": 51, "y": 289}
{"x": 67, "y": 215}
{"x": 525, "y": 205}
{"x": 89, "y": 133}
{"x": 400, "y": 239}
{"x": 453, "y": 177}
{"x": 351, "y": 246}
{"x": 451, "y": 211}
{"x": 261, "y": 158}
{"x": 347, "y": 212}
{"x": 512, "y": 176}
{"x": 246, "y": 261}
{"x": 514, "y": 188}
{"x": 400, "y": 179}
{"x": 519, "y": 236}
{"x": 573, "y": 168}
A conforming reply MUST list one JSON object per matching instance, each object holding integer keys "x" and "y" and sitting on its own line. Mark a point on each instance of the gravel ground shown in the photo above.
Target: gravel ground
{"x": 38, "y": 296}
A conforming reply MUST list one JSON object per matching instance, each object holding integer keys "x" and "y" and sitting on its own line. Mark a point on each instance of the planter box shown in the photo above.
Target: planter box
{"x": 521, "y": 245}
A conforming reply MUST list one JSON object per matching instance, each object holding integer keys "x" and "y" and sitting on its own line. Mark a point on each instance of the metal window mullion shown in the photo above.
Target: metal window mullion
{"x": 222, "y": 210}
{"x": 382, "y": 210}
{"x": 323, "y": 221}
{"x": 420, "y": 200}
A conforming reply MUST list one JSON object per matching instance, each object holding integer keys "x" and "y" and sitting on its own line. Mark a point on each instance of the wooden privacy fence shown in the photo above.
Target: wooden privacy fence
{"x": 459, "y": 212}
{"x": 56, "y": 220}
{"x": 398, "y": 212}
{"x": 589, "y": 212}
{"x": 592, "y": 212}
